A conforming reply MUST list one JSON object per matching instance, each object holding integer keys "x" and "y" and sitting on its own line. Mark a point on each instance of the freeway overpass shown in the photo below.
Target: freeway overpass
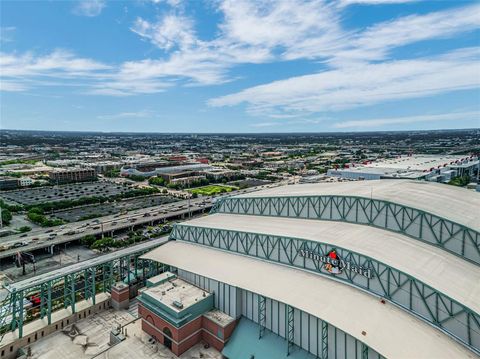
{"x": 108, "y": 225}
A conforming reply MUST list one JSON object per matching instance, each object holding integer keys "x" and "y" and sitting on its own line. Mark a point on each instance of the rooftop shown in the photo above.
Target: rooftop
{"x": 446, "y": 272}
{"x": 176, "y": 291}
{"x": 219, "y": 317}
{"x": 454, "y": 203}
{"x": 383, "y": 323}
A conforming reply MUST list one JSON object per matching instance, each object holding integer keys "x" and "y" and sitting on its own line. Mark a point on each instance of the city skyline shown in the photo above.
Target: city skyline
{"x": 250, "y": 66}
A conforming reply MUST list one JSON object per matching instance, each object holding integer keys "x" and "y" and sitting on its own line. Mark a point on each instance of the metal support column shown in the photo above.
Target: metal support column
{"x": 43, "y": 300}
{"x": 262, "y": 315}
{"x": 290, "y": 317}
{"x": 324, "y": 340}
{"x": 14, "y": 322}
{"x": 49, "y": 302}
{"x": 144, "y": 273}
{"x": 90, "y": 290}
{"x": 128, "y": 270}
{"x": 364, "y": 351}
{"x": 20, "y": 313}
{"x": 107, "y": 277}
{"x": 17, "y": 312}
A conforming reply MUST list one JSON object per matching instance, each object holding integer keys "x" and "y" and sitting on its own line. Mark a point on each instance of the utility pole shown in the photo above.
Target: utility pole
{"x": 1, "y": 219}
{"x": 189, "y": 210}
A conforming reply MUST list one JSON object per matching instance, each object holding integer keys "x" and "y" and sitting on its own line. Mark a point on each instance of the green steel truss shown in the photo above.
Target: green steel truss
{"x": 262, "y": 315}
{"x": 398, "y": 287}
{"x": 290, "y": 325}
{"x": 427, "y": 227}
{"x": 325, "y": 340}
{"x": 65, "y": 289}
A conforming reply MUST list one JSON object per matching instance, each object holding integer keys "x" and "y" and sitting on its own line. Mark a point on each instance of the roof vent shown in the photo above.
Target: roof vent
{"x": 177, "y": 304}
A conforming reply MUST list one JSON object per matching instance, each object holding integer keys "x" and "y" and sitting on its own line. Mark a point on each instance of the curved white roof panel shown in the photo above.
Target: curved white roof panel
{"x": 453, "y": 203}
{"x": 445, "y": 272}
{"x": 389, "y": 330}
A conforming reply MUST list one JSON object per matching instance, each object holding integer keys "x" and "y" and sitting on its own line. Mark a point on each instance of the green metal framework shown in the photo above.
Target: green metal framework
{"x": 398, "y": 287}
{"x": 415, "y": 223}
{"x": 290, "y": 325}
{"x": 65, "y": 288}
{"x": 311, "y": 333}
{"x": 262, "y": 315}
{"x": 364, "y": 351}
{"x": 325, "y": 340}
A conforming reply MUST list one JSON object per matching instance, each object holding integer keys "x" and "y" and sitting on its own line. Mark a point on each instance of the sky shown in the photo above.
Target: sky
{"x": 239, "y": 65}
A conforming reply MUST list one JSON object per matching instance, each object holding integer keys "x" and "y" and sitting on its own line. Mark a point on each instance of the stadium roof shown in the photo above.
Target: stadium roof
{"x": 448, "y": 273}
{"x": 454, "y": 203}
{"x": 321, "y": 297}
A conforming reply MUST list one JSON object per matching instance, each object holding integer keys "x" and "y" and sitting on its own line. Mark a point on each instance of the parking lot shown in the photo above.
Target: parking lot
{"x": 74, "y": 191}
{"x": 97, "y": 210}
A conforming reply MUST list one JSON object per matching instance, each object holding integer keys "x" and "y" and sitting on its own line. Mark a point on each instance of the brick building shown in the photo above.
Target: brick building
{"x": 179, "y": 315}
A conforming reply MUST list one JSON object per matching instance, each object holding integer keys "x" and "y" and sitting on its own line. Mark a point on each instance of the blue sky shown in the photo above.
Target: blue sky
{"x": 239, "y": 66}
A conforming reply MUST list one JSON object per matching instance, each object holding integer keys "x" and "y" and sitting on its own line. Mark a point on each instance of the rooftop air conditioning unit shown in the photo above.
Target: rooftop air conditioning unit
{"x": 177, "y": 304}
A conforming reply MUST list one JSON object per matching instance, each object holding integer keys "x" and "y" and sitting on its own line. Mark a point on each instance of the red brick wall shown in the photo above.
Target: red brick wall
{"x": 228, "y": 330}
{"x": 157, "y": 322}
{"x": 210, "y": 335}
{"x": 212, "y": 340}
{"x": 191, "y": 330}
{"x": 120, "y": 296}
{"x": 190, "y": 342}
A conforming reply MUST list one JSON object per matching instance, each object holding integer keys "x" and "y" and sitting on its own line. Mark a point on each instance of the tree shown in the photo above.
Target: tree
{"x": 24, "y": 229}
{"x": 6, "y": 217}
{"x": 88, "y": 240}
{"x": 158, "y": 181}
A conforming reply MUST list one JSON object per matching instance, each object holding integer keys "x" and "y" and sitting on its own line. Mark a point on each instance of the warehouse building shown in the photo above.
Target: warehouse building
{"x": 427, "y": 167}
{"x": 367, "y": 269}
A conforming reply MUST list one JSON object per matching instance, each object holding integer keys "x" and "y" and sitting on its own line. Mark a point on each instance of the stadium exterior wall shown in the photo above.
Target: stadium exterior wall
{"x": 373, "y": 276}
{"x": 306, "y": 331}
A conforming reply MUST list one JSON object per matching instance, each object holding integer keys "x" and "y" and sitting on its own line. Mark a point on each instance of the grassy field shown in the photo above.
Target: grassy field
{"x": 212, "y": 189}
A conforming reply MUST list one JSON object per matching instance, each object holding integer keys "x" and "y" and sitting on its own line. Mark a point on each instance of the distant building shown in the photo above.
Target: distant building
{"x": 427, "y": 167}
{"x": 7, "y": 183}
{"x": 72, "y": 175}
{"x": 25, "y": 181}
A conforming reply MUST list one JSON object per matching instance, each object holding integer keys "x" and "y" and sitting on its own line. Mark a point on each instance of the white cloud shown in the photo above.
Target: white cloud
{"x": 21, "y": 72}
{"x": 126, "y": 115}
{"x": 376, "y": 41}
{"x": 170, "y": 32}
{"x": 267, "y": 31}
{"x": 361, "y": 85}
{"x": 381, "y": 122}
{"x": 90, "y": 8}
{"x": 6, "y": 33}
{"x": 373, "y": 2}
{"x": 251, "y": 32}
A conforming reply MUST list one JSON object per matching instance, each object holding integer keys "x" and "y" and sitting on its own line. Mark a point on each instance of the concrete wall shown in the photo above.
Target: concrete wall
{"x": 9, "y": 350}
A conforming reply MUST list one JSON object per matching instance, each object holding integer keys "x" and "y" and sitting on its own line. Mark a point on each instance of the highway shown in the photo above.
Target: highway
{"x": 58, "y": 273}
{"x": 51, "y": 236}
